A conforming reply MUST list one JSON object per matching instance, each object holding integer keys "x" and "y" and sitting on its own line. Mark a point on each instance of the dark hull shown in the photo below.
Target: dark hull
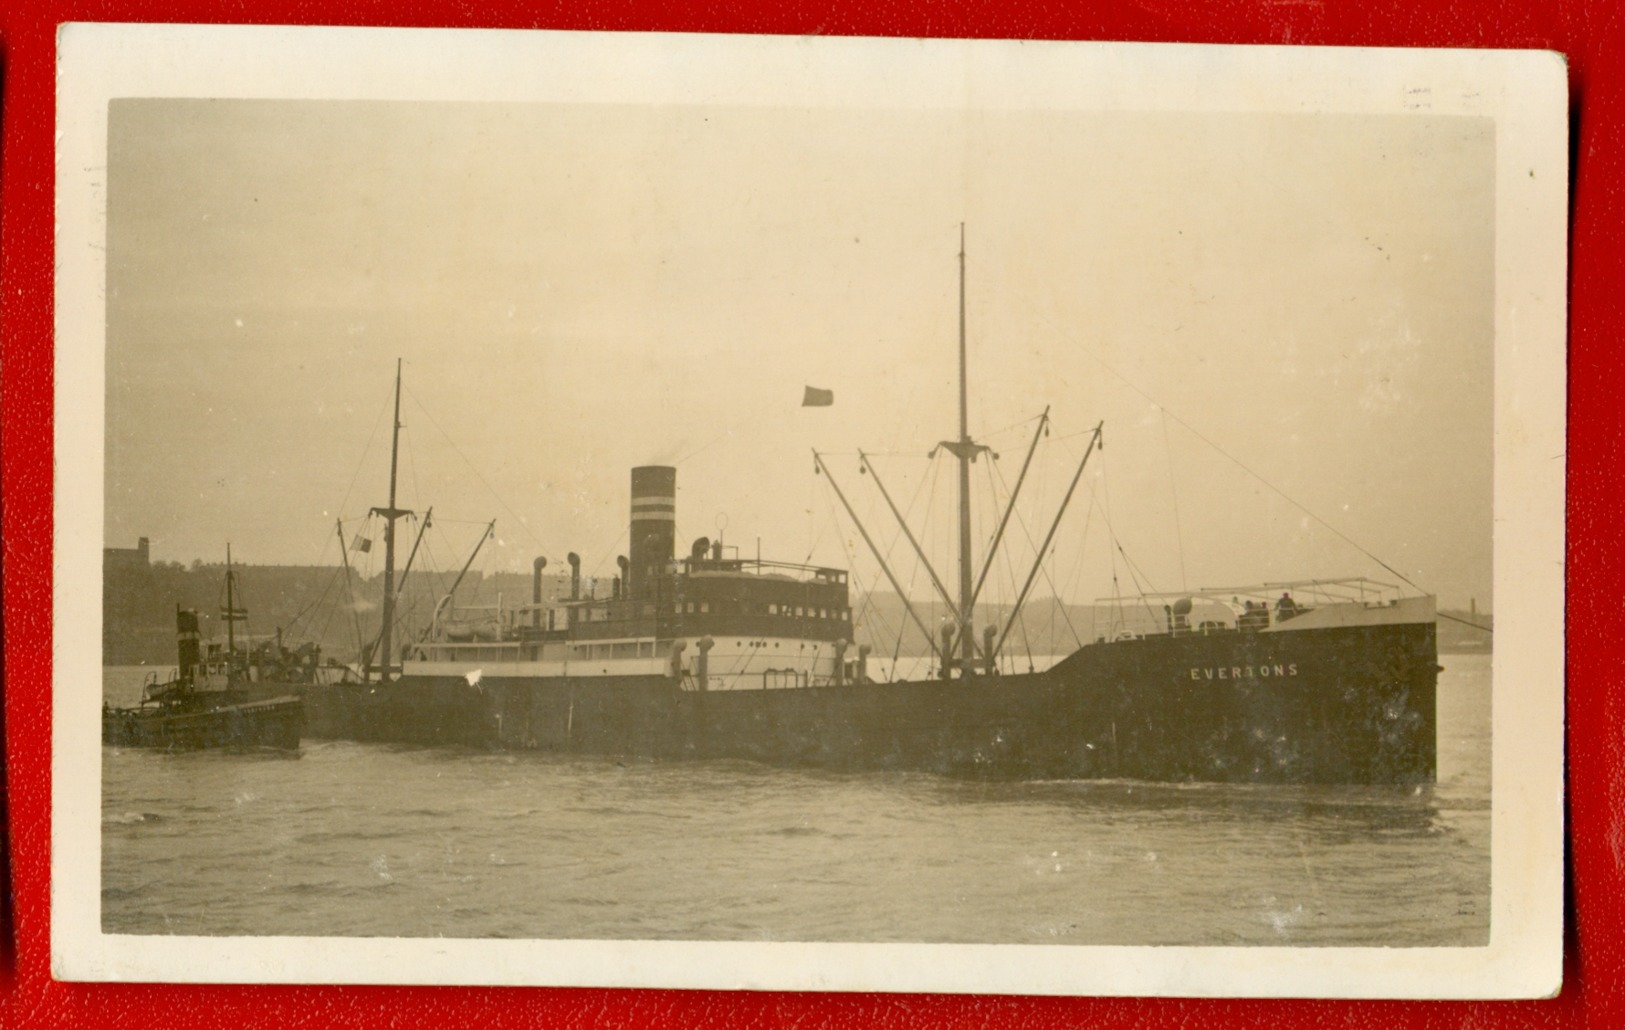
{"x": 1339, "y": 705}
{"x": 273, "y": 723}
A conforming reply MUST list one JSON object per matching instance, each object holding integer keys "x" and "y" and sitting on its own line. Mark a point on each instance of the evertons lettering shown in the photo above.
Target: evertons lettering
{"x": 1238, "y": 672}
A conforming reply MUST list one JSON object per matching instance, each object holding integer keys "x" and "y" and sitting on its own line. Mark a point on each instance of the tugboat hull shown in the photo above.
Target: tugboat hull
{"x": 273, "y": 723}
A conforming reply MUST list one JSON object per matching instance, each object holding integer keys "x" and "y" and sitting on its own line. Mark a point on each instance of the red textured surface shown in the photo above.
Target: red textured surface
{"x": 1589, "y": 32}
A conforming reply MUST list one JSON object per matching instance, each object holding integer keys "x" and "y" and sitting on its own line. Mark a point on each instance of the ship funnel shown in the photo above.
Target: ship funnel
{"x": 575, "y": 575}
{"x": 188, "y": 652}
{"x": 536, "y": 589}
{"x": 654, "y": 527}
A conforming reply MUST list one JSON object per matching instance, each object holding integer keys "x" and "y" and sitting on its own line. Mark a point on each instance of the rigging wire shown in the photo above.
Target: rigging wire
{"x": 1226, "y": 454}
{"x": 1173, "y": 491}
{"x": 885, "y": 560}
{"x": 927, "y": 488}
{"x": 1115, "y": 550}
{"x": 475, "y": 469}
{"x": 1088, "y": 520}
{"x": 1039, "y": 559}
{"x": 1009, "y": 579}
{"x": 356, "y": 476}
{"x": 704, "y": 447}
{"x": 868, "y": 594}
{"x": 1136, "y": 573}
{"x": 1111, "y": 534}
{"x": 293, "y": 623}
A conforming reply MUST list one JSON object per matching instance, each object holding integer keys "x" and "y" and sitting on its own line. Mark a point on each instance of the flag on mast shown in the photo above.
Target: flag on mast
{"x": 816, "y": 398}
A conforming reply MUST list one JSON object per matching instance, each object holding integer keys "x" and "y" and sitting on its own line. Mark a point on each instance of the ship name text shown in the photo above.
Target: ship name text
{"x": 1280, "y": 670}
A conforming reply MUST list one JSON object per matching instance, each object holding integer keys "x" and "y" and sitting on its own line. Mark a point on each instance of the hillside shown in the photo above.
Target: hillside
{"x": 312, "y": 603}
{"x": 305, "y": 602}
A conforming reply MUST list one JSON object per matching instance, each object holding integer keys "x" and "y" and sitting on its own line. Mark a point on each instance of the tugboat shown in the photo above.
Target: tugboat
{"x": 210, "y": 700}
{"x": 721, "y": 656}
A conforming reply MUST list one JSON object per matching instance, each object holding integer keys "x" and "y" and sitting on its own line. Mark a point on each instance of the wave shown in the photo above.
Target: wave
{"x": 130, "y": 818}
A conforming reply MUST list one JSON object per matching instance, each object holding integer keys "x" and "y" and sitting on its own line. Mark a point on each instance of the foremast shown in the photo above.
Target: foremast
{"x": 386, "y": 666}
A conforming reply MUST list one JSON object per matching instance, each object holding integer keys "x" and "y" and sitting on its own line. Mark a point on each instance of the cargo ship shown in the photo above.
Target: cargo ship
{"x": 711, "y": 655}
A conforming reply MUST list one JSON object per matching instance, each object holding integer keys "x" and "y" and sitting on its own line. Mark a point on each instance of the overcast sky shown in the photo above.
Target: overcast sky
{"x": 579, "y": 289}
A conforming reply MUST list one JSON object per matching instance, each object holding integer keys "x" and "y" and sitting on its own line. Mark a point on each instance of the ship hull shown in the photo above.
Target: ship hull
{"x": 1351, "y": 705}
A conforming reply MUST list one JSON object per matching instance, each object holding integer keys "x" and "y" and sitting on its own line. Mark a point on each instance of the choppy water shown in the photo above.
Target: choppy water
{"x": 373, "y": 840}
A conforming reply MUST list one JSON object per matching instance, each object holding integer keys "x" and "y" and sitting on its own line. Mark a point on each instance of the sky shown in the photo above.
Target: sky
{"x": 1284, "y": 323}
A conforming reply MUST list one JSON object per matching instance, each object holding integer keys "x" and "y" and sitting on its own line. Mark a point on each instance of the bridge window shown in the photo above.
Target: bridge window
{"x": 772, "y": 609}
{"x": 705, "y": 607}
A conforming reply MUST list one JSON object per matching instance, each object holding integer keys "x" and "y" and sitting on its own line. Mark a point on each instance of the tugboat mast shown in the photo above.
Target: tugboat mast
{"x": 231, "y": 624}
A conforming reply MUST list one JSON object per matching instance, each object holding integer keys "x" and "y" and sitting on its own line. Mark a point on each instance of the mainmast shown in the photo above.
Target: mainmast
{"x": 965, "y": 449}
{"x": 966, "y": 638}
{"x": 390, "y": 514}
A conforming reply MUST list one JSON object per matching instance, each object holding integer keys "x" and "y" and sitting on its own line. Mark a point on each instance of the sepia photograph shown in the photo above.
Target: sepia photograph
{"x": 848, "y": 514}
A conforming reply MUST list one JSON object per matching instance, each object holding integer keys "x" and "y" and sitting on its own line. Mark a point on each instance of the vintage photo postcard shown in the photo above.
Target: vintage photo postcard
{"x": 829, "y": 514}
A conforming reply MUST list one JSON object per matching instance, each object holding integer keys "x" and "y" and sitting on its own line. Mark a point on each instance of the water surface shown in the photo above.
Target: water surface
{"x": 355, "y": 839}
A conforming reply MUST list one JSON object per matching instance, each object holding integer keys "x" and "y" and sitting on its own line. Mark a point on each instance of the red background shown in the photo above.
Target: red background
{"x": 1589, "y": 32}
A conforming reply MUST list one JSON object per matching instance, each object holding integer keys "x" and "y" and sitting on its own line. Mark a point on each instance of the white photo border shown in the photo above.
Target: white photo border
{"x": 1524, "y": 92}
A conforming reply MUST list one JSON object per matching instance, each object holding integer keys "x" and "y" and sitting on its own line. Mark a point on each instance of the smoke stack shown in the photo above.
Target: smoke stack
{"x": 536, "y": 590}
{"x": 575, "y": 575}
{"x": 654, "y": 526}
{"x": 188, "y": 650}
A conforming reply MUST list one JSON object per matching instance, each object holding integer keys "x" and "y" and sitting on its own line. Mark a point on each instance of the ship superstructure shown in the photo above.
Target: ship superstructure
{"x": 711, "y": 620}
